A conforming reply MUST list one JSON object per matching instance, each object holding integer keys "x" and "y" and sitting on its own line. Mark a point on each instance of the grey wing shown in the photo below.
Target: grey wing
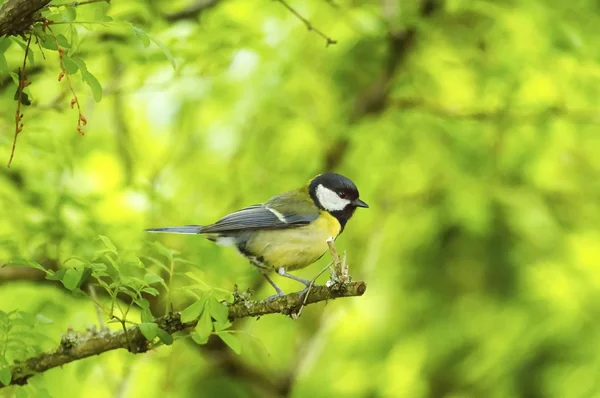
{"x": 258, "y": 217}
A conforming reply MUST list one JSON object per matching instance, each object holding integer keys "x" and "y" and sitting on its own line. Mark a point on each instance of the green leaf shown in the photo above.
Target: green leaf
{"x": 141, "y": 35}
{"x": 70, "y": 66}
{"x": 107, "y": 243}
{"x": 222, "y": 294}
{"x": 5, "y": 376}
{"x": 74, "y": 39}
{"x": 151, "y": 291}
{"x": 145, "y": 38}
{"x": 23, "y": 45}
{"x": 21, "y": 393}
{"x": 93, "y": 83}
{"x": 149, "y": 330}
{"x": 218, "y": 310}
{"x": 57, "y": 276}
{"x": 99, "y": 267}
{"x": 71, "y": 278}
{"x": 5, "y": 43}
{"x": 146, "y": 315}
{"x": 193, "y": 311}
{"x": 203, "y": 329}
{"x": 49, "y": 43}
{"x": 232, "y": 341}
{"x": 165, "y": 337}
{"x": 3, "y": 63}
{"x": 68, "y": 14}
{"x": 85, "y": 274}
{"x": 168, "y": 253}
{"x": 201, "y": 284}
{"x": 100, "y": 15}
{"x": 151, "y": 278}
{"x": 62, "y": 41}
{"x": 198, "y": 339}
{"x": 41, "y": 318}
{"x": 219, "y": 326}
{"x": 79, "y": 260}
{"x": 28, "y": 263}
{"x": 158, "y": 263}
{"x": 42, "y": 393}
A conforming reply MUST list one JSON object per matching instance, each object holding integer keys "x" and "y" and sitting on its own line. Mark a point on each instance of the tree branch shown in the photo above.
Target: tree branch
{"x": 17, "y": 16}
{"x": 76, "y": 346}
{"x": 193, "y": 11}
{"x": 328, "y": 40}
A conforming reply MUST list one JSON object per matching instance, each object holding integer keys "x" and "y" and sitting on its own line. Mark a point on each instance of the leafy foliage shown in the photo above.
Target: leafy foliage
{"x": 469, "y": 127}
{"x": 20, "y": 337}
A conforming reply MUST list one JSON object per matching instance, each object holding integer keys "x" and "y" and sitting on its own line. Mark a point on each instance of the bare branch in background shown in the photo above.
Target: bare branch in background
{"x": 306, "y": 22}
{"x": 193, "y": 11}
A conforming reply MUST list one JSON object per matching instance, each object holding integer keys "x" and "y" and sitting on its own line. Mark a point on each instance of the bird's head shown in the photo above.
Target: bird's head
{"x": 335, "y": 194}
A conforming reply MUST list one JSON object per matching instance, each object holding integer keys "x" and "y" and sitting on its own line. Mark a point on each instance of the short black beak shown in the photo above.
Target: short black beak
{"x": 359, "y": 203}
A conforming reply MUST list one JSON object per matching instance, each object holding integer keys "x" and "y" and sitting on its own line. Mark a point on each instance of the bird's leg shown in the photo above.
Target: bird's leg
{"x": 263, "y": 271}
{"x": 281, "y": 271}
{"x": 277, "y": 289}
{"x": 309, "y": 284}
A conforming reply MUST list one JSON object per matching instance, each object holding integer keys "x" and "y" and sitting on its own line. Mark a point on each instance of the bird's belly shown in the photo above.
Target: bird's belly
{"x": 294, "y": 248}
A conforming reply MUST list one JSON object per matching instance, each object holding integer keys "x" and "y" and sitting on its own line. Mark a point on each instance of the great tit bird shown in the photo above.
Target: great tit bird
{"x": 290, "y": 230}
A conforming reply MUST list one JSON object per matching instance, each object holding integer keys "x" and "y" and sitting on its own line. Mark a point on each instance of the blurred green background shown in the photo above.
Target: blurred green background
{"x": 470, "y": 127}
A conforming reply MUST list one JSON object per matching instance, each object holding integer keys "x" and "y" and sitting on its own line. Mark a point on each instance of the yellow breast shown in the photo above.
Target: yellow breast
{"x": 295, "y": 248}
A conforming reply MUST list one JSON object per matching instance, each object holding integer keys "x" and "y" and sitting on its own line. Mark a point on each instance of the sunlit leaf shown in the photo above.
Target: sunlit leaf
{"x": 145, "y": 38}
{"x": 62, "y": 41}
{"x": 204, "y": 328}
{"x": 106, "y": 242}
{"x": 151, "y": 291}
{"x": 151, "y": 278}
{"x": 217, "y": 310}
{"x": 165, "y": 337}
{"x": 70, "y": 66}
{"x": 193, "y": 311}
{"x": 71, "y": 278}
{"x": 28, "y": 263}
{"x": 5, "y": 376}
{"x": 68, "y": 14}
{"x": 149, "y": 330}
{"x": 232, "y": 341}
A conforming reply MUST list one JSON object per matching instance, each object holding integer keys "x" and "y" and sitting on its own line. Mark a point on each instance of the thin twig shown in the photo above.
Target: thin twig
{"x": 81, "y": 120}
{"x": 308, "y": 289}
{"x": 335, "y": 269}
{"x": 77, "y": 3}
{"x": 18, "y": 115}
{"x": 97, "y": 305}
{"x": 328, "y": 40}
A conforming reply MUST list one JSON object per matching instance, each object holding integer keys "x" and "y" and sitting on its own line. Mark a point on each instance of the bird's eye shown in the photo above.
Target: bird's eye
{"x": 342, "y": 194}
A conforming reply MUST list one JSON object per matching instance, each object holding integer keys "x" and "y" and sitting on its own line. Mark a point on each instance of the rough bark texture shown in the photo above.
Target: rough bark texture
{"x": 75, "y": 346}
{"x": 17, "y": 16}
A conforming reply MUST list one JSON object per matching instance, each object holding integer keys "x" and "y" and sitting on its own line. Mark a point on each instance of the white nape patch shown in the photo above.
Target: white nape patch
{"x": 225, "y": 241}
{"x": 277, "y": 214}
{"x": 330, "y": 200}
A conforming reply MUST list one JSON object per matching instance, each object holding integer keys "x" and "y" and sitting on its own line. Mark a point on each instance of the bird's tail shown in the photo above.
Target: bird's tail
{"x": 187, "y": 229}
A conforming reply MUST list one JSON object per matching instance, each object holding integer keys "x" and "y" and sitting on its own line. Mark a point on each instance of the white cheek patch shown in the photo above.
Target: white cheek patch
{"x": 330, "y": 200}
